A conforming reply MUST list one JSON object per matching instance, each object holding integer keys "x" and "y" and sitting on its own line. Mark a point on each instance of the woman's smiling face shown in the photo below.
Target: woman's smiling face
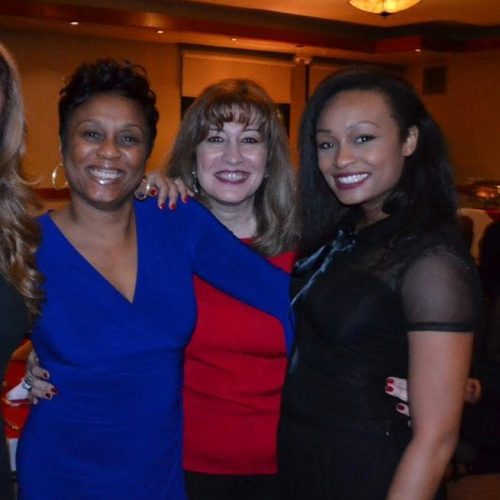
{"x": 105, "y": 149}
{"x": 360, "y": 152}
{"x": 231, "y": 163}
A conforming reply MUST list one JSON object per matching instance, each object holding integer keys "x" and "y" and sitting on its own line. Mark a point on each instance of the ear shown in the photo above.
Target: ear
{"x": 411, "y": 141}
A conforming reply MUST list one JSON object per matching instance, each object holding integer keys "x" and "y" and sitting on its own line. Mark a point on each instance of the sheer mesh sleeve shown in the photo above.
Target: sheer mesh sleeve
{"x": 440, "y": 293}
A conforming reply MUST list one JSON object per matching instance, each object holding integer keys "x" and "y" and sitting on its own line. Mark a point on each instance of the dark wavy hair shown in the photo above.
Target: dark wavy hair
{"x": 113, "y": 76}
{"x": 424, "y": 195}
{"x": 19, "y": 232}
{"x": 246, "y": 102}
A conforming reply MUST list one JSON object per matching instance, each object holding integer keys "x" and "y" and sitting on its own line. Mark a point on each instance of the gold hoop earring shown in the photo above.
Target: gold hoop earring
{"x": 53, "y": 178}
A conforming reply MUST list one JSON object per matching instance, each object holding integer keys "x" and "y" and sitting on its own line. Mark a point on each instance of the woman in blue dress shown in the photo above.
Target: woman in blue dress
{"x": 120, "y": 304}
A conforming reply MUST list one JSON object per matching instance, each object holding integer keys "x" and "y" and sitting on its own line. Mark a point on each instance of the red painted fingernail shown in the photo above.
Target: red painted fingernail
{"x": 173, "y": 206}
{"x": 153, "y": 192}
{"x": 388, "y": 388}
{"x": 54, "y": 390}
{"x": 400, "y": 407}
{"x": 45, "y": 375}
{"x": 162, "y": 206}
{"x": 48, "y": 395}
{"x": 389, "y": 380}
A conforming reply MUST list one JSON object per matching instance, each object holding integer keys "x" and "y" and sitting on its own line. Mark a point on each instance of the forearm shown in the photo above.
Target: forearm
{"x": 422, "y": 467}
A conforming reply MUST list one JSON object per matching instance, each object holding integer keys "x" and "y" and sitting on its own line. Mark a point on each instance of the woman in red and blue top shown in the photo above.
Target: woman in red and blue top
{"x": 232, "y": 152}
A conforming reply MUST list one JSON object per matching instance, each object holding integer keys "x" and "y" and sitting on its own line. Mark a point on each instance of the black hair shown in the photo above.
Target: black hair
{"x": 425, "y": 193}
{"x": 113, "y": 76}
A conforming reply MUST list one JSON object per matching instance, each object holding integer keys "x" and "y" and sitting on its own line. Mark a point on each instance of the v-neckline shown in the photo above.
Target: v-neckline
{"x": 94, "y": 270}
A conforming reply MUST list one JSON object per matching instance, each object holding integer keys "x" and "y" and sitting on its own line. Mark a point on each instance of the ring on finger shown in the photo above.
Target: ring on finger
{"x": 142, "y": 191}
{"x": 27, "y": 383}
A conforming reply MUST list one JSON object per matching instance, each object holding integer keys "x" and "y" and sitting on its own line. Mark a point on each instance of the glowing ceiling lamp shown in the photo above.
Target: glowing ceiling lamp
{"x": 383, "y": 7}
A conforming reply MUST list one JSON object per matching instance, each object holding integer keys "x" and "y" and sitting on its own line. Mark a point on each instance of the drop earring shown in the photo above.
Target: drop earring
{"x": 196, "y": 182}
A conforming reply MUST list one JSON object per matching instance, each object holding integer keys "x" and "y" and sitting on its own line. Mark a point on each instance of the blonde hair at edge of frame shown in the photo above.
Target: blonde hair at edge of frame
{"x": 19, "y": 234}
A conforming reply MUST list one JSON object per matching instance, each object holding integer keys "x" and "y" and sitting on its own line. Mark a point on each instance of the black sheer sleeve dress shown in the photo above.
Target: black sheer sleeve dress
{"x": 13, "y": 327}
{"x": 355, "y": 301}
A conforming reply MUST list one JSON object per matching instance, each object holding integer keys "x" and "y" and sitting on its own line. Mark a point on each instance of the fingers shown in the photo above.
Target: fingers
{"x": 473, "y": 391}
{"x": 404, "y": 409}
{"x": 37, "y": 371}
{"x": 170, "y": 189}
{"x": 157, "y": 183}
{"x": 397, "y": 387}
{"x": 184, "y": 191}
{"x": 40, "y": 387}
{"x": 142, "y": 191}
{"x": 160, "y": 186}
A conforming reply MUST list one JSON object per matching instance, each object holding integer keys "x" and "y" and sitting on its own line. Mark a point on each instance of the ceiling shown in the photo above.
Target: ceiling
{"x": 324, "y": 29}
{"x": 477, "y": 12}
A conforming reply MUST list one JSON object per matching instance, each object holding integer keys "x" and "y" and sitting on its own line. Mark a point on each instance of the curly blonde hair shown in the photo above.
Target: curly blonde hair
{"x": 244, "y": 101}
{"x": 19, "y": 232}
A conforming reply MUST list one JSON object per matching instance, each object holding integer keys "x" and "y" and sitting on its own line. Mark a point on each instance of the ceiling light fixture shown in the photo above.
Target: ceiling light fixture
{"x": 74, "y": 23}
{"x": 160, "y": 32}
{"x": 383, "y": 7}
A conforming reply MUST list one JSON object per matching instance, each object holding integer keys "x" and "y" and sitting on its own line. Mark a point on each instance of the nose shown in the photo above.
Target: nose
{"x": 345, "y": 156}
{"x": 108, "y": 149}
{"x": 232, "y": 152}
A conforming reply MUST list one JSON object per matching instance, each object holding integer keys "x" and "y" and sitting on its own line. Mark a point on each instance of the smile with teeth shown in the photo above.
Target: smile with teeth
{"x": 105, "y": 175}
{"x": 232, "y": 176}
{"x": 349, "y": 180}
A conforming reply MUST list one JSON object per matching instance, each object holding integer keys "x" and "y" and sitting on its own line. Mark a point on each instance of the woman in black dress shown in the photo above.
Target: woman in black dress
{"x": 19, "y": 237}
{"x": 384, "y": 287}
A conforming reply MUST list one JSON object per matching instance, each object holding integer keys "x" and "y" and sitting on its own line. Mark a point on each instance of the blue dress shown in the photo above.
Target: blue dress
{"x": 114, "y": 430}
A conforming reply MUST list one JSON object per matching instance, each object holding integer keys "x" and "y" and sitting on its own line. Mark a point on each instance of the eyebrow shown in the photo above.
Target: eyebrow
{"x": 350, "y": 127}
{"x": 246, "y": 129}
{"x": 97, "y": 122}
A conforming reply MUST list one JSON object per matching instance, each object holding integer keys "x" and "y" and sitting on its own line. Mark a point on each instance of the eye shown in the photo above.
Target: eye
{"x": 91, "y": 134}
{"x": 325, "y": 145}
{"x": 129, "y": 140}
{"x": 363, "y": 138}
{"x": 251, "y": 140}
{"x": 214, "y": 139}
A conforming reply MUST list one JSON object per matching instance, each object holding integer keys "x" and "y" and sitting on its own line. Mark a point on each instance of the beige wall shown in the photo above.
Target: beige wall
{"x": 200, "y": 69}
{"x": 469, "y": 113}
{"x": 45, "y": 59}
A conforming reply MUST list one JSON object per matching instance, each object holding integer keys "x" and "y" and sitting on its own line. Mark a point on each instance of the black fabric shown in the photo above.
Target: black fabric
{"x": 13, "y": 326}
{"x": 352, "y": 324}
{"x": 232, "y": 487}
{"x": 338, "y": 463}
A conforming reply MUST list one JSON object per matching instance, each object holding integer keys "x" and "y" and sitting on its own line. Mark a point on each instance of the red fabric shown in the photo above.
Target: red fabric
{"x": 16, "y": 415}
{"x": 234, "y": 371}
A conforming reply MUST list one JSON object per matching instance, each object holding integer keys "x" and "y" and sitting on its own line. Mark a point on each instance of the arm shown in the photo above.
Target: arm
{"x": 439, "y": 365}
{"x": 440, "y": 300}
{"x": 222, "y": 260}
{"x": 398, "y": 388}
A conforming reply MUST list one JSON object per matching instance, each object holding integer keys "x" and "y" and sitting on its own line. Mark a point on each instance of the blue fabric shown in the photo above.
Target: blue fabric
{"x": 114, "y": 430}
